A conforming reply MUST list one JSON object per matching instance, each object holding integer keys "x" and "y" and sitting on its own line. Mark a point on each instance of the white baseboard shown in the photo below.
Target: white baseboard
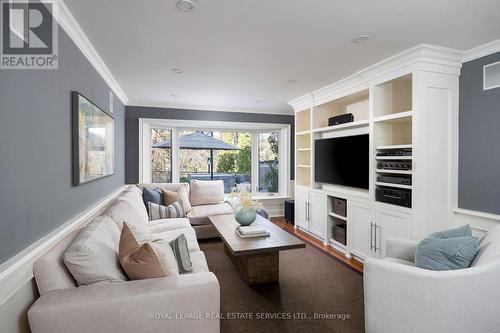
{"x": 18, "y": 270}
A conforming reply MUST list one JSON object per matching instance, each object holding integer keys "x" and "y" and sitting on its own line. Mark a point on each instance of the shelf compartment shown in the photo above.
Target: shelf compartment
{"x": 408, "y": 187}
{"x": 303, "y": 177}
{"x": 393, "y": 132}
{"x": 303, "y": 120}
{"x": 396, "y": 172}
{"x": 303, "y": 141}
{"x": 356, "y": 103}
{"x": 393, "y": 97}
{"x": 354, "y": 124}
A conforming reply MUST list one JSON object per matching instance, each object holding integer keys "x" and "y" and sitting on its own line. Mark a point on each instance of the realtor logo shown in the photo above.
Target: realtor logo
{"x": 29, "y": 35}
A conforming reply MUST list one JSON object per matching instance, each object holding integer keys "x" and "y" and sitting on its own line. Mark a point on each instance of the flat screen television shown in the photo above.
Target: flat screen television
{"x": 342, "y": 161}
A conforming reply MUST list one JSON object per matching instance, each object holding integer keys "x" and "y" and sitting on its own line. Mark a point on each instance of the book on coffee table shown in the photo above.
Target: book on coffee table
{"x": 264, "y": 234}
{"x": 252, "y": 231}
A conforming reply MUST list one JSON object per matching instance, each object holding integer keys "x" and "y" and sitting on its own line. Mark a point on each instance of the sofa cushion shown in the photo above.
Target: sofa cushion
{"x": 181, "y": 252}
{"x": 206, "y": 192}
{"x": 199, "y": 214}
{"x": 489, "y": 247}
{"x": 50, "y": 270}
{"x": 122, "y": 210}
{"x": 173, "y": 234}
{"x": 154, "y": 196}
{"x": 92, "y": 257}
{"x": 462, "y": 231}
{"x": 174, "y": 210}
{"x": 145, "y": 260}
{"x": 447, "y": 250}
{"x": 170, "y": 197}
{"x": 134, "y": 198}
{"x": 199, "y": 262}
{"x": 168, "y": 224}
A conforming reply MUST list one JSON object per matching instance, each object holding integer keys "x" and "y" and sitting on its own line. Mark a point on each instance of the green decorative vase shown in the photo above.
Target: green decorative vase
{"x": 245, "y": 216}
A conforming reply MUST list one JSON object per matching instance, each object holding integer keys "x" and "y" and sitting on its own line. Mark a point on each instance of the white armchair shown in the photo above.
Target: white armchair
{"x": 400, "y": 297}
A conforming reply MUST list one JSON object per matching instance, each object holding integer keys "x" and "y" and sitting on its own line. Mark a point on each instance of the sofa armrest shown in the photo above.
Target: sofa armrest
{"x": 401, "y": 248}
{"x": 185, "y": 303}
{"x": 402, "y": 298}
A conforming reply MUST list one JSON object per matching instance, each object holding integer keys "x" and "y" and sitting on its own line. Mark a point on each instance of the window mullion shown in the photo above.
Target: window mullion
{"x": 255, "y": 162}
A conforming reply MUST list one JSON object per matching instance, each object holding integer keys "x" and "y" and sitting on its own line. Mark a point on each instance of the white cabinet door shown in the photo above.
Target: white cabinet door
{"x": 317, "y": 215}
{"x": 362, "y": 221}
{"x": 301, "y": 209}
{"x": 391, "y": 224}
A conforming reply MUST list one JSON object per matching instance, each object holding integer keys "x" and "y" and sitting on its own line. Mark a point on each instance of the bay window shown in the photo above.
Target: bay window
{"x": 243, "y": 155}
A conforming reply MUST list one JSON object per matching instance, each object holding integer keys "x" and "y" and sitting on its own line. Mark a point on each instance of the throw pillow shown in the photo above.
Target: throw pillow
{"x": 206, "y": 192}
{"x": 92, "y": 257}
{"x": 151, "y": 259}
{"x": 447, "y": 250}
{"x": 180, "y": 248}
{"x": 462, "y": 231}
{"x": 169, "y": 197}
{"x": 154, "y": 196}
{"x": 174, "y": 210}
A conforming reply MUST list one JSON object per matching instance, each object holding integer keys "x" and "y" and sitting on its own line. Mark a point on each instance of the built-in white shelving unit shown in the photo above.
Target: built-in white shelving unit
{"x": 405, "y": 104}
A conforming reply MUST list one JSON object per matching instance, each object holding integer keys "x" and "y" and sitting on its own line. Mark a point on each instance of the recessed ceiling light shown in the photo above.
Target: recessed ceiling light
{"x": 292, "y": 81}
{"x": 362, "y": 38}
{"x": 258, "y": 101}
{"x": 174, "y": 95}
{"x": 186, "y": 5}
{"x": 177, "y": 70}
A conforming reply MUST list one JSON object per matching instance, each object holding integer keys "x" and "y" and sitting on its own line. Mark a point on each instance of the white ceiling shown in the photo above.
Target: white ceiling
{"x": 234, "y": 53}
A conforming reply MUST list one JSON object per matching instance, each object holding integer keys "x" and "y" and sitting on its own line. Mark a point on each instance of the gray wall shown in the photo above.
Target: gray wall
{"x": 36, "y": 195}
{"x": 133, "y": 113}
{"x": 479, "y": 144}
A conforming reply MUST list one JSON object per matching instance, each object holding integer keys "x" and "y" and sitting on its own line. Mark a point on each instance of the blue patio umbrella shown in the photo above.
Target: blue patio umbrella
{"x": 200, "y": 141}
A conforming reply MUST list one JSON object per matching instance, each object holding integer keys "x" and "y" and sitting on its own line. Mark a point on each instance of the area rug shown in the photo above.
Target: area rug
{"x": 315, "y": 293}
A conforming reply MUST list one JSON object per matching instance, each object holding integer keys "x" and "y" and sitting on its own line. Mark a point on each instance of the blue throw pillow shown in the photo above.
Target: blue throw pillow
{"x": 462, "y": 231}
{"x": 154, "y": 196}
{"x": 447, "y": 250}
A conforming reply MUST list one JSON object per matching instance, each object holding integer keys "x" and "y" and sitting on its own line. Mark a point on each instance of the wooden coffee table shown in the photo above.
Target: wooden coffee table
{"x": 257, "y": 259}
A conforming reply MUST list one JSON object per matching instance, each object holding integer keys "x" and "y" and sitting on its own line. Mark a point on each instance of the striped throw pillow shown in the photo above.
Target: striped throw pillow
{"x": 173, "y": 210}
{"x": 180, "y": 248}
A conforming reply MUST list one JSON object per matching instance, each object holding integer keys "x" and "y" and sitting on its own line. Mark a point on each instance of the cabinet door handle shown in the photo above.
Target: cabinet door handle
{"x": 371, "y": 236}
{"x": 375, "y": 245}
{"x": 305, "y": 210}
{"x": 309, "y": 211}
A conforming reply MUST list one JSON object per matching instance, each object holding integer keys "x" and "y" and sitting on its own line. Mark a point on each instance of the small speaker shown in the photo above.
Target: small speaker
{"x": 342, "y": 119}
{"x": 289, "y": 211}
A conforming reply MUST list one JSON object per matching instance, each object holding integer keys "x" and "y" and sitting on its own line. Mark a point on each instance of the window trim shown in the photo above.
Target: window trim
{"x": 145, "y": 125}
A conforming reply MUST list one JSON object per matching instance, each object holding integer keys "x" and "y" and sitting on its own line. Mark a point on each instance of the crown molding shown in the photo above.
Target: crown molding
{"x": 69, "y": 24}
{"x": 435, "y": 58}
{"x": 209, "y": 108}
{"x": 481, "y": 51}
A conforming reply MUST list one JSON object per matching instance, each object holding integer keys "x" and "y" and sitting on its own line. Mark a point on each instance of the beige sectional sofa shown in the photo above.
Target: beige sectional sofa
{"x": 199, "y": 214}
{"x": 150, "y": 305}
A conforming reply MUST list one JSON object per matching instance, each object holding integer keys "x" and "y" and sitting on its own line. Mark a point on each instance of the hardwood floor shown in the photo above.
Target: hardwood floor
{"x": 352, "y": 263}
